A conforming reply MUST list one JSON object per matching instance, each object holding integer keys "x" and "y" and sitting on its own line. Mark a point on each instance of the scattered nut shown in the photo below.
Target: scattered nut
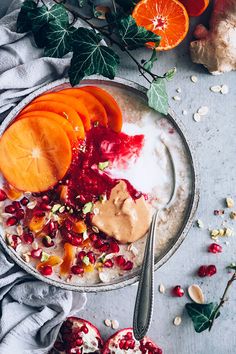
{"x": 196, "y": 294}
{"x": 95, "y": 229}
{"x": 228, "y": 232}
{"x": 162, "y": 289}
{"x": 221, "y": 232}
{"x": 178, "y": 90}
{"x": 224, "y": 89}
{"x": 197, "y": 117}
{"x": 115, "y": 324}
{"x": 107, "y": 322}
{"x": 194, "y": 78}
{"x": 35, "y": 245}
{"x": 19, "y": 230}
{"x": 32, "y": 205}
{"x": 215, "y": 232}
{"x": 133, "y": 249}
{"x": 200, "y": 224}
{"x": 229, "y": 202}
{"x": 203, "y": 110}
{"x": 177, "y": 98}
{"x": 96, "y": 211}
{"x": 184, "y": 112}
{"x": 215, "y": 89}
{"x": 25, "y": 257}
{"x": 177, "y": 321}
{"x": 233, "y": 215}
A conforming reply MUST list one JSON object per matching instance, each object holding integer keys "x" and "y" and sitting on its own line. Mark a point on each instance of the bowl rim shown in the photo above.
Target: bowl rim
{"x": 132, "y": 277}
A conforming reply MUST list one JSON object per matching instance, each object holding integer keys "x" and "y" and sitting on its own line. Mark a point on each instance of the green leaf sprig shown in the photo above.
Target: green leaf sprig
{"x": 53, "y": 31}
{"x": 204, "y": 315}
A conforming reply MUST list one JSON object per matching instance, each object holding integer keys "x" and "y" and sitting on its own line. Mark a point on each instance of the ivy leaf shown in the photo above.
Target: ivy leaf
{"x": 103, "y": 165}
{"x": 58, "y": 39}
{"x": 23, "y": 20}
{"x": 169, "y": 75}
{"x": 201, "y": 315}
{"x": 157, "y": 96}
{"x": 149, "y": 63}
{"x": 90, "y": 57}
{"x": 43, "y": 14}
{"x": 134, "y": 36}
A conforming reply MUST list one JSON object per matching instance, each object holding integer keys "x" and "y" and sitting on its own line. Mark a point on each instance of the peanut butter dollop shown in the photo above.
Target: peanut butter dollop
{"x": 121, "y": 217}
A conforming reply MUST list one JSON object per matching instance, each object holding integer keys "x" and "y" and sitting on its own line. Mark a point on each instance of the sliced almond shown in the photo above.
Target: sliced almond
{"x": 196, "y": 294}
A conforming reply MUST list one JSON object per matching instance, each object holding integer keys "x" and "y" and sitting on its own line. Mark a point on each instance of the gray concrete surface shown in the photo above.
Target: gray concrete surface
{"x": 214, "y": 140}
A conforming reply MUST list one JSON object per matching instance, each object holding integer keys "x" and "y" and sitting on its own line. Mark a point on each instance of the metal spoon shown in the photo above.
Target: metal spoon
{"x": 145, "y": 295}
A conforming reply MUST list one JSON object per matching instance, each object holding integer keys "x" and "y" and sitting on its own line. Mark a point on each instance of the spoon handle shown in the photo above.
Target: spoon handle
{"x": 144, "y": 300}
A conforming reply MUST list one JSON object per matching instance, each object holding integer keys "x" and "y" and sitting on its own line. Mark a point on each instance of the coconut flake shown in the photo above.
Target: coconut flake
{"x": 177, "y": 320}
{"x": 196, "y": 294}
{"x": 184, "y": 112}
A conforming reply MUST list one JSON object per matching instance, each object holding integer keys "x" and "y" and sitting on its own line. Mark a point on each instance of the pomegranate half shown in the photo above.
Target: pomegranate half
{"x": 123, "y": 341}
{"x": 78, "y": 336}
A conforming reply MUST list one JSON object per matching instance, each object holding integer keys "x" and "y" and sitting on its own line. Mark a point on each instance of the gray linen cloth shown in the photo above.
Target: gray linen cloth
{"x": 31, "y": 311}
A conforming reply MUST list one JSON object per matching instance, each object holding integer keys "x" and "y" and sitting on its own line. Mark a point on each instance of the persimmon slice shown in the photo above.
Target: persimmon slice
{"x": 77, "y": 105}
{"x": 64, "y": 123}
{"x": 63, "y": 110}
{"x": 34, "y": 154}
{"x": 97, "y": 112}
{"x": 113, "y": 111}
{"x": 69, "y": 256}
{"x": 195, "y": 8}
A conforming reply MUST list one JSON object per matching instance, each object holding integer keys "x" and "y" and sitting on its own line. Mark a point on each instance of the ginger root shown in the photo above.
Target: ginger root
{"x": 216, "y": 48}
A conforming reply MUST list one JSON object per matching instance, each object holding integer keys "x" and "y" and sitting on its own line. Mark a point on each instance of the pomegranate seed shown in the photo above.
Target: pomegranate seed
{"x": 93, "y": 237}
{"x": 211, "y": 270}
{"x": 20, "y": 214}
{"x": 59, "y": 346}
{"x": 131, "y": 344}
{"x": 36, "y": 253}
{"x": 120, "y": 261}
{"x": 81, "y": 256}
{"x": 28, "y": 238}
{"x": 104, "y": 247}
{"x": 122, "y": 343}
{"x": 13, "y": 240}
{"x": 46, "y": 199}
{"x": 215, "y": 248}
{"x": 11, "y": 221}
{"x": 114, "y": 247}
{"x": 91, "y": 257}
{"x": 24, "y": 201}
{"x": 39, "y": 213}
{"x": 79, "y": 342}
{"x": 68, "y": 225}
{"x": 98, "y": 244}
{"x": 10, "y": 209}
{"x": 84, "y": 329}
{"x": 47, "y": 241}
{"x": 53, "y": 226}
{"x": 178, "y": 291}
{"x": 149, "y": 346}
{"x": 77, "y": 269}
{"x": 108, "y": 263}
{"x": 16, "y": 204}
{"x": 76, "y": 240}
{"x": 128, "y": 265}
{"x": 202, "y": 271}
{"x": 46, "y": 270}
{"x": 129, "y": 335}
{"x": 3, "y": 195}
{"x": 45, "y": 207}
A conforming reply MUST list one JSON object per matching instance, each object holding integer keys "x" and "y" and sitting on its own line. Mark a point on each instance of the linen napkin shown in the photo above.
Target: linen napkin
{"x": 31, "y": 311}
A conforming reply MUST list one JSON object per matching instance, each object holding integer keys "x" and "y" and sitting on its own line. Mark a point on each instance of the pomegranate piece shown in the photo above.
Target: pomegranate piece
{"x": 207, "y": 271}
{"x": 24, "y": 201}
{"x": 28, "y": 238}
{"x": 47, "y": 241}
{"x": 178, "y": 291}
{"x": 16, "y": 205}
{"x": 36, "y": 253}
{"x": 124, "y": 340}
{"x": 108, "y": 263}
{"x": 123, "y": 263}
{"x": 20, "y": 214}
{"x": 46, "y": 270}
{"x": 78, "y": 336}
{"x": 114, "y": 247}
{"x": 3, "y": 195}
{"x": 10, "y": 209}
{"x": 12, "y": 221}
{"x": 215, "y": 248}
{"x": 13, "y": 240}
{"x": 77, "y": 270}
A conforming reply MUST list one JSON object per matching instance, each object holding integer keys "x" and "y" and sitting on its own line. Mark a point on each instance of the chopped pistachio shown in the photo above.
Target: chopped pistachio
{"x": 44, "y": 256}
{"x": 229, "y": 202}
{"x": 55, "y": 208}
{"x": 103, "y": 165}
{"x": 62, "y": 209}
{"x": 87, "y": 208}
{"x": 86, "y": 260}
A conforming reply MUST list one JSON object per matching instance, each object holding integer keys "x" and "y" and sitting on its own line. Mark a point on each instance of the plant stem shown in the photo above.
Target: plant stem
{"x": 223, "y": 298}
{"x": 141, "y": 68}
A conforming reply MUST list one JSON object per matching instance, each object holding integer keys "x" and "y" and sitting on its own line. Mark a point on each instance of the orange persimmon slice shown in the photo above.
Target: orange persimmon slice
{"x": 64, "y": 123}
{"x": 114, "y": 113}
{"x": 52, "y": 261}
{"x": 96, "y": 110}
{"x": 195, "y": 7}
{"x": 69, "y": 256}
{"x": 11, "y": 192}
{"x": 34, "y": 154}
{"x": 63, "y": 110}
{"x": 77, "y": 105}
